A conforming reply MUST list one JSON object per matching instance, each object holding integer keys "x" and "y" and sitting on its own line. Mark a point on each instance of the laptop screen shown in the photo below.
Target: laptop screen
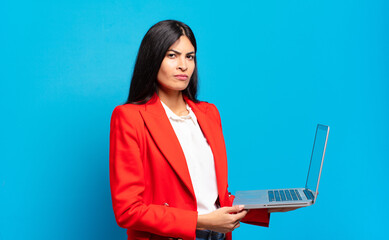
{"x": 317, "y": 157}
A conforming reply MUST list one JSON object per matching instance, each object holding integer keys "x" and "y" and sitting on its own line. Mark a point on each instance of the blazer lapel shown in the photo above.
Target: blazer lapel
{"x": 164, "y": 136}
{"x": 213, "y": 133}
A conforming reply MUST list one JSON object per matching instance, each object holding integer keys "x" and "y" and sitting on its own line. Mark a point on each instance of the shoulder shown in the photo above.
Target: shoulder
{"x": 209, "y": 109}
{"x": 128, "y": 113}
{"x": 206, "y": 107}
{"x": 127, "y": 108}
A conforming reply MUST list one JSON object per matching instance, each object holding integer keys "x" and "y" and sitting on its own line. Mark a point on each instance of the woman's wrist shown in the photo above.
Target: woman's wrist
{"x": 202, "y": 221}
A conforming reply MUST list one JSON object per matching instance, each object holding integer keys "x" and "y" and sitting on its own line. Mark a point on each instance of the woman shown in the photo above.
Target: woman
{"x": 168, "y": 164}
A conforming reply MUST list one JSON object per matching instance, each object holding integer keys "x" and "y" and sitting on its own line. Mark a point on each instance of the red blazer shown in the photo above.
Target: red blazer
{"x": 152, "y": 192}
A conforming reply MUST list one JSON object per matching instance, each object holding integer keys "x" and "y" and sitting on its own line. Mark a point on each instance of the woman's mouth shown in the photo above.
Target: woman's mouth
{"x": 181, "y": 76}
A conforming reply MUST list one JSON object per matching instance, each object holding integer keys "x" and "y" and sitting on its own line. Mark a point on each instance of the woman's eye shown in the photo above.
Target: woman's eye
{"x": 171, "y": 55}
{"x": 191, "y": 57}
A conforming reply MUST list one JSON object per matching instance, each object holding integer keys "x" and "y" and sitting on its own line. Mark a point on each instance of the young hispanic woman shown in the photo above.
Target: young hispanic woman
{"x": 168, "y": 163}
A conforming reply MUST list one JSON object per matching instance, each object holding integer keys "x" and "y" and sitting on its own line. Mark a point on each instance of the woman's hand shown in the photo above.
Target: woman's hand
{"x": 223, "y": 220}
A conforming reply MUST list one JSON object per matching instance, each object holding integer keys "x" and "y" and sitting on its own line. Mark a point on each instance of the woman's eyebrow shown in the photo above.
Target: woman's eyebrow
{"x": 177, "y": 52}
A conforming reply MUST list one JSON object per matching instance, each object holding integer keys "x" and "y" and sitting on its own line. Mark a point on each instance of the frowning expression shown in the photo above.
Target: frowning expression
{"x": 177, "y": 67}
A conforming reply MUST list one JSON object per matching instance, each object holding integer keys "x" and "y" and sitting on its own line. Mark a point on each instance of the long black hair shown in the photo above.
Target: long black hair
{"x": 151, "y": 53}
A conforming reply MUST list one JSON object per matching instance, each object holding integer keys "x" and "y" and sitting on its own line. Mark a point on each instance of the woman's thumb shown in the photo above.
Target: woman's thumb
{"x": 236, "y": 208}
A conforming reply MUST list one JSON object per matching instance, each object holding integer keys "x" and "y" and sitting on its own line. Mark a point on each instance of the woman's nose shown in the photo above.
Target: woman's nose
{"x": 182, "y": 64}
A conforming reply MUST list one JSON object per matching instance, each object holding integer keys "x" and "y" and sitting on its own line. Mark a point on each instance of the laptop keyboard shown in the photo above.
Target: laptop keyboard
{"x": 284, "y": 195}
{"x": 308, "y": 194}
{"x": 288, "y": 195}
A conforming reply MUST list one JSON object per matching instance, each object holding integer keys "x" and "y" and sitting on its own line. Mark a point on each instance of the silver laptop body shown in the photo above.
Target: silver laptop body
{"x": 291, "y": 197}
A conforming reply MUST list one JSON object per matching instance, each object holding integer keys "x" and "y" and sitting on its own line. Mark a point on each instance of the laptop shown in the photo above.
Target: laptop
{"x": 291, "y": 197}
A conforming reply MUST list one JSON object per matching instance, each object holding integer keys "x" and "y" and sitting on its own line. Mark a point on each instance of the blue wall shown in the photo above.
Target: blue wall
{"x": 274, "y": 69}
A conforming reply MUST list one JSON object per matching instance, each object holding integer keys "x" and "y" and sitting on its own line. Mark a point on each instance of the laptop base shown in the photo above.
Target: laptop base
{"x": 257, "y": 199}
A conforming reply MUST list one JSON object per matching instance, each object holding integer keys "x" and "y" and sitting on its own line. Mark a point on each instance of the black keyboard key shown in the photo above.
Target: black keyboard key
{"x": 282, "y": 194}
{"x": 277, "y": 194}
{"x": 288, "y": 196}
{"x": 298, "y": 194}
{"x": 308, "y": 194}
{"x": 312, "y": 196}
{"x": 294, "y": 197}
{"x": 271, "y": 196}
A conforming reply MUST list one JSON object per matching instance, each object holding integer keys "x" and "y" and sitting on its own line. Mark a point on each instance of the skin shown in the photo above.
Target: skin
{"x": 179, "y": 61}
{"x": 223, "y": 220}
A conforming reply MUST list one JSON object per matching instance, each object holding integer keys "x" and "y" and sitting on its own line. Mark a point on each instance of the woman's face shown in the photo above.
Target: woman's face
{"x": 177, "y": 66}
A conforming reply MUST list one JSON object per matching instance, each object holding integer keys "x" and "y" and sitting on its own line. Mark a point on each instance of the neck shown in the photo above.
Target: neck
{"x": 174, "y": 100}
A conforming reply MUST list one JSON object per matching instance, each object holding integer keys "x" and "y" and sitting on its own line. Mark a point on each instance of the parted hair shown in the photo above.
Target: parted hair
{"x": 151, "y": 53}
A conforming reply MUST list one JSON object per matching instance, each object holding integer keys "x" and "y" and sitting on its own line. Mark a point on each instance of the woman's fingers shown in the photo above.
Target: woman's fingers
{"x": 223, "y": 220}
{"x": 237, "y": 217}
{"x": 237, "y": 225}
{"x": 233, "y": 209}
{"x": 241, "y": 215}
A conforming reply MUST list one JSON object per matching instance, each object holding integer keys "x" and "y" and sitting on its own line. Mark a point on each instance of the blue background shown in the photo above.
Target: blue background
{"x": 273, "y": 68}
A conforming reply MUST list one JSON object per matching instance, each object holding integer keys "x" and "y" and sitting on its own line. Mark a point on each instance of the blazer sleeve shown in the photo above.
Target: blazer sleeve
{"x": 259, "y": 217}
{"x": 128, "y": 183}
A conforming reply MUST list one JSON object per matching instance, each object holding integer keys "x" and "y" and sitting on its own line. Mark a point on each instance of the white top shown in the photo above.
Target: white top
{"x": 199, "y": 158}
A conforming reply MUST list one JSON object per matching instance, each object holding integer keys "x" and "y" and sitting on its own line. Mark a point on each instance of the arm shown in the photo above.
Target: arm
{"x": 259, "y": 217}
{"x": 128, "y": 183}
{"x": 222, "y": 220}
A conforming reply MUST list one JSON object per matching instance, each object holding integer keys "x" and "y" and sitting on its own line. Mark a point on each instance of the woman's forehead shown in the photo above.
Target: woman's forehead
{"x": 182, "y": 45}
